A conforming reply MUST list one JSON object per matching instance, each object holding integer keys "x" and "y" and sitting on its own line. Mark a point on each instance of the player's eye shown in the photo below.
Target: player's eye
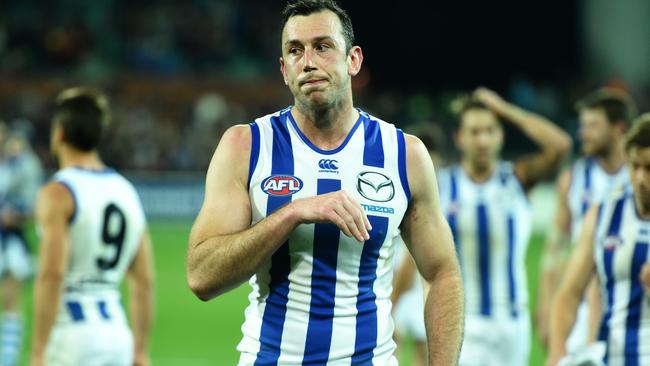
{"x": 322, "y": 47}
{"x": 294, "y": 51}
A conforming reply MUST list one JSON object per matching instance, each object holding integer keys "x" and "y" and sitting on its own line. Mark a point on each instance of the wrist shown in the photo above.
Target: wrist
{"x": 290, "y": 215}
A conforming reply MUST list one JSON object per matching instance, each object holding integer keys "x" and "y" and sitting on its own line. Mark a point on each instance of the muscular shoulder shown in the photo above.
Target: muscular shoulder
{"x": 419, "y": 166}
{"x": 230, "y": 160}
{"x": 416, "y": 152}
{"x": 238, "y": 136}
{"x": 54, "y": 201}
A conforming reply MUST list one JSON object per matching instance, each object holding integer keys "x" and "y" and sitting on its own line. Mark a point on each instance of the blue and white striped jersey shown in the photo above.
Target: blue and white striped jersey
{"x": 620, "y": 251}
{"x": 491, "y": 224}
{"x": 324, "y": 298}
{"x": 590, "y": 184}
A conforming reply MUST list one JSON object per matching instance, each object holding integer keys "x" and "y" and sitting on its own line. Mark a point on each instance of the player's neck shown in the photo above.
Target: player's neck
{"x": 614, "y": 159}
{"x": 70, "y": 157}
{"x": 478, "y": 173}
{"x": 326, "y": 128}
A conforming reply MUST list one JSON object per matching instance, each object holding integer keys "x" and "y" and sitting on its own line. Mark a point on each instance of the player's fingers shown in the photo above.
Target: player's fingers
{"x": 348, "y": 219}
{"x": 359, "y": 217}
{"x": 333, "y": 216}
{"x": 363, "y": 212}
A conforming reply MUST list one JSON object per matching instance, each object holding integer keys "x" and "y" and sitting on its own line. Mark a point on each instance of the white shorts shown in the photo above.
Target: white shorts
{"x": 409, "y": 314}
{"x": 91, "y": 335}
{"x": 15, "y": 258}
{"x": 496, "y": 342}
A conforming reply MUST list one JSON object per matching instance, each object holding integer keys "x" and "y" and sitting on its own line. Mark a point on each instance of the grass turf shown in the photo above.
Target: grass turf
{"x": 189, "y": 332}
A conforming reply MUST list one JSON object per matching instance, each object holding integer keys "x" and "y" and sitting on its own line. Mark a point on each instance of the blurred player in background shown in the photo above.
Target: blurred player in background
{"x": 408, "y": 293}
{"x": 20, "y": 178}
{"x": 292, "y": 183}
{"x": 613, "y": 245}
{"x": 485, "y": 199}
{"x": 605, "y": 115}
{"x": 93, "y": 233}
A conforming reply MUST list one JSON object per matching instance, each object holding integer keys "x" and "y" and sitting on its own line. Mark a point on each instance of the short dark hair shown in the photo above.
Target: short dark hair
{"x": 639, "y": 135}
{"x": 617, "y": 104}
{"x": 83, "y": 114}
{"x": 466, "y": 103}
{"x": 308, "y": 7}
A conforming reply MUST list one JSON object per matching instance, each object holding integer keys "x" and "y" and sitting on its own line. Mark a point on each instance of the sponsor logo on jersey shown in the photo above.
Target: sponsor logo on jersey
{"x": 612, "y": 242}
{"x": 378, "y": 209}
{"x": 281, "y": 185}
{"x": 328, "y": 166}
{"x": 375, "y": 186}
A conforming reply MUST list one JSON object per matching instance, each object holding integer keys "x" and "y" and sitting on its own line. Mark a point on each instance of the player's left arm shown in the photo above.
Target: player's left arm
{"x": 53, "y": 210}
{"x": 429, "y": 239}
{"x": 553, "y": 142}
{"x": 577, "y": 276}
{"x": 140, "y": 277}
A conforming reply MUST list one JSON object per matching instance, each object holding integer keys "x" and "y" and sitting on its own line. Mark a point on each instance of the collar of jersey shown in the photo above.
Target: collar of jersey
{"x": 316, "y": 148}
{"x": 105, "y": 170}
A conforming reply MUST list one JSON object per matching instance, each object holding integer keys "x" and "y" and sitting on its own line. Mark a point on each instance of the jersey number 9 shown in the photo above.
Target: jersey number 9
{"x": 113, "y": 233}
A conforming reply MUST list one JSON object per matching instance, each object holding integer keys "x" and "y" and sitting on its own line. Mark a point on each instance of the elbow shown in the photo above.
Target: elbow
{"x": 201, "y": 289}
{"x": 562, "y": 146}
{"x": 565, "y": 145}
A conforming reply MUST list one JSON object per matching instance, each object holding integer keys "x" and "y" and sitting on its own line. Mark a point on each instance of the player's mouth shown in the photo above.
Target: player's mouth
{"x": 313, "y": 82}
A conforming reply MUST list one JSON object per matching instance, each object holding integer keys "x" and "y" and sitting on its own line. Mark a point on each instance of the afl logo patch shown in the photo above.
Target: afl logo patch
{"x": 281, "y": 185}
{"x": 612, "y": 242}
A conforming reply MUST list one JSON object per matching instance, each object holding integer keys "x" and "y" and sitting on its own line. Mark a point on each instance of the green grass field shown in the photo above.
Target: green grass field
{"x": 188, "y": 332}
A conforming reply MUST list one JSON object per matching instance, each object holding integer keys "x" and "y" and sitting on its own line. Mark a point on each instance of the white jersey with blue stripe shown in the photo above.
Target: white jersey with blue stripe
{"x": 323, "y": 298}
{"x": 105, "y": 233}
{"x": 620, "y": 251}
{"x": 491, "y": 225}
{"x": 590, "y": 184}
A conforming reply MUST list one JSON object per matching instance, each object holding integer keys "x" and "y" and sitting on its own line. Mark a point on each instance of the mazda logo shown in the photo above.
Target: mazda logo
{"x": 375, "y": 186}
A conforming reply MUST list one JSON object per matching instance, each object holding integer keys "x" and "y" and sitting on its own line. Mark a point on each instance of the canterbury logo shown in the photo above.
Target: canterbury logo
{"x": 375, "y": 186}
{"x": 328, "y": 164}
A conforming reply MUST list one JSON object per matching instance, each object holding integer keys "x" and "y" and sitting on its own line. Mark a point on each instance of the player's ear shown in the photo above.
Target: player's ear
{"x": 355, "y": 59}
{"x": 283, "y": 70}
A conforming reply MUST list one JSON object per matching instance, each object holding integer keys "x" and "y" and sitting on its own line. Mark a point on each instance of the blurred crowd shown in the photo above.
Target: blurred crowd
{"x": 98, "y": 39}
{"x": 180, "y": 73}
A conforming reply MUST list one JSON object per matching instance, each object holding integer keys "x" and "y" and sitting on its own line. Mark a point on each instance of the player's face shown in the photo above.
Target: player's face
{"x": 480, "y": 137}
{"x": 596, "y": 133}
{"x": 639, "y": 162}
{"x": 314, "y": 61}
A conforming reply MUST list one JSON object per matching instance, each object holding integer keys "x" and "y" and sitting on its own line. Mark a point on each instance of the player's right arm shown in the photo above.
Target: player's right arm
{"x": 578, "y": 274}
{"x": 555, "y": 255}
{"x": 53, "y": 210}
{"x": 224, "y": 249}
{"x": 140, "y": 277}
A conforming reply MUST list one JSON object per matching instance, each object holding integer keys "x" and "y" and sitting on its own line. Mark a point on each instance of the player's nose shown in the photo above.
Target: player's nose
{"x": 308, "y": 60}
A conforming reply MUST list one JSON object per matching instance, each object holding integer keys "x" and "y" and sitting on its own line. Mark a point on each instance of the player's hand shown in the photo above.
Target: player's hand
{"x": 645, "y": 277}
{"x": 553, "y": 359}
{"x": 491, "y": 99}
{"x": 542, "y": 320}
{"x": 141, "y": 359}
{"x": 337, "y": 208}
{"x": 37, "y": 360}
{"x": 9, "y": 218}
